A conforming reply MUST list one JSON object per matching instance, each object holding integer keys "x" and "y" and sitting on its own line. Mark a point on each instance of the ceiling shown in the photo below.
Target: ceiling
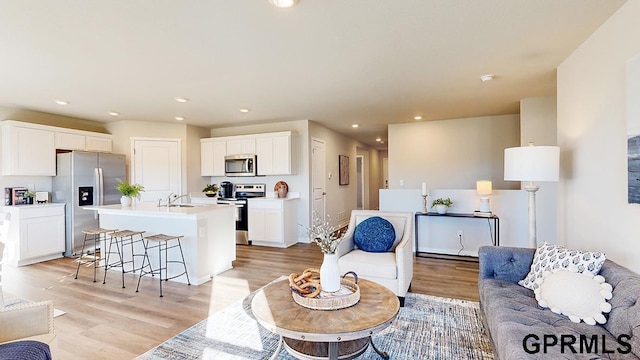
{"x": 337, "y": 62}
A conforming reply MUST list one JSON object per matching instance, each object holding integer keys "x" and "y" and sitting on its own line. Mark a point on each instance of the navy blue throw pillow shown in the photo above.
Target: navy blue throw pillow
{"x": 374, "y": 234}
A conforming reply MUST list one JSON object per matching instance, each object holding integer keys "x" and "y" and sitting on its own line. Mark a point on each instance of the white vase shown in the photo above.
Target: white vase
{"x": 441, "y": 209}
{"x": 330, "y": 273}
{"x": 125, "y": 200}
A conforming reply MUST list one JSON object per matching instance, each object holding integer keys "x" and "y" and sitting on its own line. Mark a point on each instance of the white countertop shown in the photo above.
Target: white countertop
{"x": 153, "y": 209}
{"x": 35, "y": 205}
{"x": 272, "y": 196}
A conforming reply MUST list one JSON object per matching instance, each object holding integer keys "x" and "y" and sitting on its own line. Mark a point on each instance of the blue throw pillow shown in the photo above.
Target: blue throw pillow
{"x": 374, "y": 234}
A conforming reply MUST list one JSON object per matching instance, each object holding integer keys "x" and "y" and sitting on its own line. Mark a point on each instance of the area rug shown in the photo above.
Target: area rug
{"x": 427, "y": 327}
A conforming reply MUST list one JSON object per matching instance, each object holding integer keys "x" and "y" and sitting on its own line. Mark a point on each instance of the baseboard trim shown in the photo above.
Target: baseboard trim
{"x": 447, "y": 256}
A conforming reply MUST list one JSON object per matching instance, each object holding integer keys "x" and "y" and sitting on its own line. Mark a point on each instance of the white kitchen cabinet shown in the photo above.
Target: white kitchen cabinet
{"x": 241, "y": 145}
{"x": 70, "y": 141}
{"x": 85, "y": 141}
{"x": 212, "y": 153}
{"x": 272, "y": 222}
{"x": 30, "y": 149}
{"x": 36, "y": 233}
{"x": 27, "y": 150}
{"x": 274, "y": 152}
{"x": 99, "y": 143}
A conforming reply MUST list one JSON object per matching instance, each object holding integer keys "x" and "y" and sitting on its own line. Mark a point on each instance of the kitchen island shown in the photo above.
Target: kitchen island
{"x": 209, "y": 234}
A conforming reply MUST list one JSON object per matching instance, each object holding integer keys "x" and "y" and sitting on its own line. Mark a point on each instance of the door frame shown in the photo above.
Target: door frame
{"x": 360, "y": 182}
{"x": 324, "y": 177}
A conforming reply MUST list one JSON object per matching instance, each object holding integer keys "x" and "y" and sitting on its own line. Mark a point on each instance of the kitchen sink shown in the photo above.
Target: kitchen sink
{"x": 181, "y": 205}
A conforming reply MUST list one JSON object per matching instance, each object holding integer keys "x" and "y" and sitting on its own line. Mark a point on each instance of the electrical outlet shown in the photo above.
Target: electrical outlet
{"x": 460, "y": 234}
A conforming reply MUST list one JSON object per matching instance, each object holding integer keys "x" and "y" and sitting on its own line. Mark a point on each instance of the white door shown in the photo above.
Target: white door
{"x": 318, "y": 181}
{"x": 156, "y": 166}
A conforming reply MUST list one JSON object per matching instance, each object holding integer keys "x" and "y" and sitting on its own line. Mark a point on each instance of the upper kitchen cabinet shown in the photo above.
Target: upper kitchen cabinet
{"x": 242, "y": 145}
{"x": 27, "y": 150}
{"x": 30, "y": 149}
{"x": 81, "y": 140}
{"x": 275, "y": 155}
{"x": 273, "y": 150}
{"x": 212, "y": 153}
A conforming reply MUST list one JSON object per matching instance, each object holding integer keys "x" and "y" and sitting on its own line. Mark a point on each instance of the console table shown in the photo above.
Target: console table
{"x": 495, "y": 239}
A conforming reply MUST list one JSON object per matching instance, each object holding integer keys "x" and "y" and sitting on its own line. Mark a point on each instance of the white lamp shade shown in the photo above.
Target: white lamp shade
{"x": 532, "y": 163}
{"x": 483, "y": 187}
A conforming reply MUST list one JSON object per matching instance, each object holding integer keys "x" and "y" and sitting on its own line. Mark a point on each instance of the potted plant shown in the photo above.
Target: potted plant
{"x": 441, "y": 205}
{"x": 128, "y": 191}
{"x": 29, "y": 195}
{"x": 210, "y": 190}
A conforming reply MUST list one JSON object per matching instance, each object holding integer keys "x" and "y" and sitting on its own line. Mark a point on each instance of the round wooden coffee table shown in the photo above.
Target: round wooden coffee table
{"x": 325, "y": 334}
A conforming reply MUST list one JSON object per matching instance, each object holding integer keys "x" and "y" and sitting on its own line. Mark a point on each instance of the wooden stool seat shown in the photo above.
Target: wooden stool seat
{"x": 97, "y": 231}
{"x": 125, "y": 233}
{"x": 162, "y": 237}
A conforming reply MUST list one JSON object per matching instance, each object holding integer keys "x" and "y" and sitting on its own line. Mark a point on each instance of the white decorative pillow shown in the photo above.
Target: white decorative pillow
{"x": 579, "y": 296}
{"x": 550, "y": 257}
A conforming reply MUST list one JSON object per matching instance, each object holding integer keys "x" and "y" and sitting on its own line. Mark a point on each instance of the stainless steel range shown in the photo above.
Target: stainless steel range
{"x": 241, "y": 193}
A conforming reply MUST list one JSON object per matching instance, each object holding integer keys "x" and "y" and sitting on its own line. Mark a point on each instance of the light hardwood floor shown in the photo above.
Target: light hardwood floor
{"x": 109, "y": 322}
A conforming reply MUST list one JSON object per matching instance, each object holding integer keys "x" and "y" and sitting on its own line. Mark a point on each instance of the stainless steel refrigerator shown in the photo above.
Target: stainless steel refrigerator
{"x": 85, "y": 179}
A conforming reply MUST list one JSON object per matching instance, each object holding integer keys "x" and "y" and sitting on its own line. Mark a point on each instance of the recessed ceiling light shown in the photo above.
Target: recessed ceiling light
{"x": 487, "y": 77}
{"x": 244, "y": 110}
{"x": 179, "y": 118}
{"x": 355, "y": 126}
{"x": 417, "y": 117}
{"x": 283, "y": 3}
{"x": 378, "y": 139}
{"x": 62, "y": 102}
{"x": 182, "y": 100}
{"x": 114, "y": 113}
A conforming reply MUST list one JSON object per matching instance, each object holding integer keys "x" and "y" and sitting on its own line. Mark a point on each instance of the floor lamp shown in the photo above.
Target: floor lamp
{"x": 532, "y": 163}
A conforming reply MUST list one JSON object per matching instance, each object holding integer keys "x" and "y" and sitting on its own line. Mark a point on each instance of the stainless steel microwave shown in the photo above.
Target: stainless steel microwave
{"x": 240, "y": 165}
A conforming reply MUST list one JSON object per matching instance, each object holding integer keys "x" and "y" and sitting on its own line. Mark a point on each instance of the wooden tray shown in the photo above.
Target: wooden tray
{"x": 348, "y": 295}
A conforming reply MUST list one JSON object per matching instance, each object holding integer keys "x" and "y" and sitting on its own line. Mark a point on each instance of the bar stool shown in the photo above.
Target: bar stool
{"x": 96, "y": 235}
{"x": 122, "y": 238}
{"x": 161, "y": 242}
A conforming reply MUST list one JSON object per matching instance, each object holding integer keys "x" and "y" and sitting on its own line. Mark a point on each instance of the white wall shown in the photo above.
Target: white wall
{"x": 539, "y": 124}
{"x": 592, "y": 126}
{"x": 452, "y": 153}
{"x": 123, "y": 131}
{"x": 450, "y": 163}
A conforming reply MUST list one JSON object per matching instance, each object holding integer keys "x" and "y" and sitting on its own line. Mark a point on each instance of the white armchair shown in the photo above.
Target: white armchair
{"x": 392, "y": 269}
{"x": 29, "y": 321}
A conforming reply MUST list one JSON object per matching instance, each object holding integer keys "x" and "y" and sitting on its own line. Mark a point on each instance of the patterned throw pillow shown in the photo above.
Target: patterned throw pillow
{"x": 374, "y": 234}
{"x": 549, "y": 257}
{"x": 580, "y": 297}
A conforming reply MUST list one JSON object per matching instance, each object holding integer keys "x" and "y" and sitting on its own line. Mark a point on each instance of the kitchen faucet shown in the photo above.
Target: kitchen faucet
{"x": 172, "y": 198}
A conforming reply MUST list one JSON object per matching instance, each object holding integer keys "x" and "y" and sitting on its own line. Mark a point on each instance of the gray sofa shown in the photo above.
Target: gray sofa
{"x": 519, "y": 328}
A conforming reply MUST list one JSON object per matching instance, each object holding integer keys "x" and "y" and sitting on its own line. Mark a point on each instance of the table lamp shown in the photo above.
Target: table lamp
{"x": 532, "y": 163}
{"x": 483, "y": 188}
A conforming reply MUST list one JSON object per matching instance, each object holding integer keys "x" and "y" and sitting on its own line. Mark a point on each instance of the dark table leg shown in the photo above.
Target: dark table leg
{"x": 383, "y": 354}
